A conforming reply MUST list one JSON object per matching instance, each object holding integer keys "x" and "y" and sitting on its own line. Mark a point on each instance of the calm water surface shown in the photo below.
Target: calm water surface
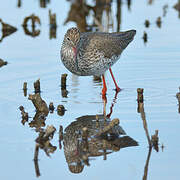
{"x": 153, "y": 66}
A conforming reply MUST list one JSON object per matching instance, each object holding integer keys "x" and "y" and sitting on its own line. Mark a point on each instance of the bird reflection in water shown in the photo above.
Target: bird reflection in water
{"x": 92, "y": 136}
{"x": 103, "y": 138}
{"x": 87, "y": 137}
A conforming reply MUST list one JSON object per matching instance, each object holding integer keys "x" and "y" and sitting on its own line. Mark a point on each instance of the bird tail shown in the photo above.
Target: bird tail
{"x": 125, "y": 37}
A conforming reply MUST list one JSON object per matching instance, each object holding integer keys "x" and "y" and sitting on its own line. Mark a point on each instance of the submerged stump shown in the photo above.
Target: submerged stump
{"x": 63, "y": 81}
{"x": 2, "y": 62}
{"x": 25, "y": 88}
{"x": 178, "y": 98}
{"x": 37, "y": 88}
{"x": 61, "y": 110}
{"x": 51, "y": 107}
{"x": 39, "y": 103}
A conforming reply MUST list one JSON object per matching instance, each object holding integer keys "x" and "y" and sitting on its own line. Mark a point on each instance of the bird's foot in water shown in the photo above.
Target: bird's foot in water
{"x": 118, "y": 89}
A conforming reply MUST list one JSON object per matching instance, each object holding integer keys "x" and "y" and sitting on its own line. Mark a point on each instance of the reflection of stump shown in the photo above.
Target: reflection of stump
{"x": 178, "y": 97}
{"x": 64, "y": 92}
{"x": 60, "y": 136}
{"x": 177, "y": 7}
{"x": 60, "y": 110}
{"x": 63, "y": 81}
{"x": 38, "y": 120}
{"x": 37, "y": 88}
{"x": 147, "y": 23}
{"x": 39, "y": 103}
{"x": 25, "y": 88}
{"x": 24, "y": 114}
{"x": 6, "y": 30}
{"x": 140, "y": 98}
{"x": 51, "y": 107}
{"x": 97, "y": 79}
{"x": 145, "y": 37}
{"x": 2, "y": 63}
{"x": 43, "y": 3}
{"x": 155, "y": 140}
{"x": 158, "y": 22}
{"x": 19, "y": 3}
{"x": 34, "y": 19}
{"x": 53, "y": 25}
{"x": 78, "y": 12}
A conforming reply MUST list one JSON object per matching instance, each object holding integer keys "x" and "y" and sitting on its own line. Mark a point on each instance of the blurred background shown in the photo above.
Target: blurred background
{"x": 31, "y": 34}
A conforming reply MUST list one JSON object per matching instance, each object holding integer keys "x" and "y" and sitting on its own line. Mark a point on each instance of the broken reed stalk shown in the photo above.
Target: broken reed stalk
{"x": 84, "y": 133}
{"x": 104, "y": 150}
{"x": 53, "y": 25}
{"x": 158, "y": 22}
{"x": 19, "y": 3}
{"x": 24, "y": 114}
{"x": 37, "y": 88}
{"x": 143, "y": 116}
{"x": 97, "y": 121}
{"x": 85, "y": 139}
{"x": 49, "y": 132}
{"x": 60, "y": 132}
{"x": 147, "y": 164}
{"x": 178, "y": 98}
{"x": 39, "y": 103}
{"x": 145, "y": 37}
{"x": 85, "y": 159}
{"x": 97, "y": 78}
{"x": 113, "y": 123}
{"x": 25, "y": 88}
{"x": 60, "y": 110}
{"x": 60, "y": 136}
{"x": 140, "y": 97}
{"x": 36, "y": 152}
{"x": 36, "y": 160}
{"x": 2, "y": 63}
{"x": 52, "y": 19}
{"x": 51, "y": 107}
{"x": 147, "y": 23}
{"x": 63, "y": 81}
{"x": 64, "y": 92}
{"x": 155, "y": 140}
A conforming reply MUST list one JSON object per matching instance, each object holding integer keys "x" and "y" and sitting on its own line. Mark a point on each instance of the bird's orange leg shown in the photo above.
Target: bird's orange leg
{"x": 104, "y": 88}
{"x": 117, "y": 87}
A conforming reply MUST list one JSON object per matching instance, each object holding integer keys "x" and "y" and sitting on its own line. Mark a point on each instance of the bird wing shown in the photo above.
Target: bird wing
{"x": 103, "y": 44}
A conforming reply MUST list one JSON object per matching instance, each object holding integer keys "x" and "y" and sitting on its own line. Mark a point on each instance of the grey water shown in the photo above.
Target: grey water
{"x": 153, "y": 65}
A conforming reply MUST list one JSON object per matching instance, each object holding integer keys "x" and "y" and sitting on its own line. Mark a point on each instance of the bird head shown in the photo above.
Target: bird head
{"x": 72, "y": 37}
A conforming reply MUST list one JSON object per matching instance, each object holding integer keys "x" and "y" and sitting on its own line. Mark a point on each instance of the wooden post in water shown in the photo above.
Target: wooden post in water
{"x": 60, "y": 110}
{"x": 140, "y": 98}
{"x": 37, "y": 88}
{"x": 25, "y": 88}
{"x": 178, "y": 98}
{"x": 64, "y": 92}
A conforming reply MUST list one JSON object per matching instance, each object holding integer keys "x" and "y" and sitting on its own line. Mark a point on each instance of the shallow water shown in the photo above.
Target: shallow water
{"x": 153, "y": 66}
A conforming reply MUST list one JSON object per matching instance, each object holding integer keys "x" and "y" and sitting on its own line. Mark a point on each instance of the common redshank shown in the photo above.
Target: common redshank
{"x": 93, "y": 53}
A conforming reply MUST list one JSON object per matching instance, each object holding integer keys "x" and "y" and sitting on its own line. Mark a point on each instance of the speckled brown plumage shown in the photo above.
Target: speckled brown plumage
{"x": 92, "y": 53}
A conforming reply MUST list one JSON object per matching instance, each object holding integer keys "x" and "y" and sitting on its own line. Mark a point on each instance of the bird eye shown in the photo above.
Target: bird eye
{"x": 68, "y": 39}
